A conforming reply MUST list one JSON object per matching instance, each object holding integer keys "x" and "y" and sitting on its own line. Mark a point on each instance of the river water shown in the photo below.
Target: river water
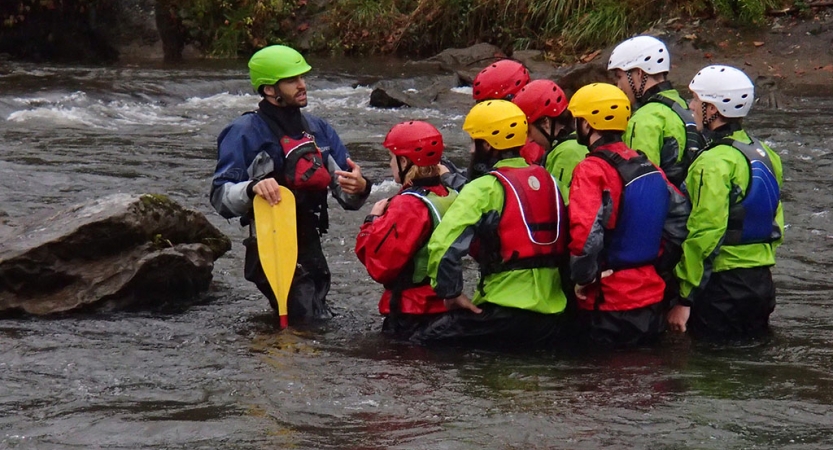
{"x": 216, "y": 372}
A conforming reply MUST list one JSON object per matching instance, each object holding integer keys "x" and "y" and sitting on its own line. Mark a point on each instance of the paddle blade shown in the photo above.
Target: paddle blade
{"x": 277, "y": 244}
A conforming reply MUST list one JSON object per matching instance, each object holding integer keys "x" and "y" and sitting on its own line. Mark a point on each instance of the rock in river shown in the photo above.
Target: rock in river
{"x": 120, "y": 250}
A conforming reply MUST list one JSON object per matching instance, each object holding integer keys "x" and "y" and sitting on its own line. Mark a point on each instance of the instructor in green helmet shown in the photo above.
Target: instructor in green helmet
{"x": 279, "y": 145}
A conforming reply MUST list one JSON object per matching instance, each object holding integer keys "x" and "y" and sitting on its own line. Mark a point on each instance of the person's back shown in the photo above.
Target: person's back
{"x": 530, "y": 288}
{"x": 562, "y": 160}
{"x": 658, "y": 131}
{"x": 512, "y": 221}
{"x": 392, "y": 243}
{"x": 618, "y": 209}
{"x": 736, "y": 221}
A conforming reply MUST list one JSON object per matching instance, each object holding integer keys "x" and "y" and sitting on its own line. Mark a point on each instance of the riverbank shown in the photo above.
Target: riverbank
{"x": 790, "y": 55}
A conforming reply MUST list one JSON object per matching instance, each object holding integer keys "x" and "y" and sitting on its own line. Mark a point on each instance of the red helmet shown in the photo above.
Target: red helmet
{"x": 418, "y": 141}
{"x": 499, "y": 81}
{"x": 541, "y": 98}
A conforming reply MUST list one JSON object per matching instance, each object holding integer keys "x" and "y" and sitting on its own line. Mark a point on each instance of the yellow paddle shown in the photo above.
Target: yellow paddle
{"x": 277, "y": 244}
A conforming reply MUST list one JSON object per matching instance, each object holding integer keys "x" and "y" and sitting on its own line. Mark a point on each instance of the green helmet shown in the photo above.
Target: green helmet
{"x": 274, "y": 63}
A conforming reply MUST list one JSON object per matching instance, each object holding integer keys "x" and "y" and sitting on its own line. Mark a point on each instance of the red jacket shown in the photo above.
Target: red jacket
{"x": 386, "y": 245}
{"x": 595, "y": 193}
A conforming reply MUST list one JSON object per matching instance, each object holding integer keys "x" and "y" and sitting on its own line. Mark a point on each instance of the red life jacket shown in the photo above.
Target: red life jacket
{"x": 304, "y": 168}
{"x": 532, "y": 231}
{"x": 303, "y": 165}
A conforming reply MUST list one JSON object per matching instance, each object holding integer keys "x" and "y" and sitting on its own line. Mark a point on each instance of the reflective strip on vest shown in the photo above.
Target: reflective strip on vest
{"x": 528, "y": 191}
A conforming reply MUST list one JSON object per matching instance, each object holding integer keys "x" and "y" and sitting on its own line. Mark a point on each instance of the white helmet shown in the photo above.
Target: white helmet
{"x": 727, "y": 88}
{"x": 645, "y": 52}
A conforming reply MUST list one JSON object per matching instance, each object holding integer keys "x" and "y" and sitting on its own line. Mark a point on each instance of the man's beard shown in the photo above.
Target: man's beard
{"x": 290, "y": 101}
{"x": 481, "y": 163}
{"x": 581, "y": 138}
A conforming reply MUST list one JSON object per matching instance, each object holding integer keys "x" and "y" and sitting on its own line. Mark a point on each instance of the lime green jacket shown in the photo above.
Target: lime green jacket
{"x": 658, "y": 131}
{"x": 710, "y": 180}
{"x": 536, "y": 290}
{"x": 561, "y": 161}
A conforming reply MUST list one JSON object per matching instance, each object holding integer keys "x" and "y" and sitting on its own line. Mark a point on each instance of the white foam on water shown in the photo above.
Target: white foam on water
{"x": 222, "y": 100}
{"x": 70, "y": 117}
{"x": 462, "y": 90}
{"x": 387, "y": 186}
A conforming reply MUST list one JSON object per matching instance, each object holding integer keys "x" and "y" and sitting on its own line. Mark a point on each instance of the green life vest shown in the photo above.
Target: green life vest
{"x": 437, "y": 206}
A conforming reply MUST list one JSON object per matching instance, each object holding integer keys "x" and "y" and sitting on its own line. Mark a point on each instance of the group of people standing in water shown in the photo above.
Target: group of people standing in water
{"x": 606, "y": 217}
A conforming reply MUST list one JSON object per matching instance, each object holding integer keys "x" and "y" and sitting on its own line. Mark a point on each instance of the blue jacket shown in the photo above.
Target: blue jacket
{"x": 248, "y": 151}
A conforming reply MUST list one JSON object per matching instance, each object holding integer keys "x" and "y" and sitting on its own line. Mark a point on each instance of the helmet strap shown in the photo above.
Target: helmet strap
{"x": 709, "y": 119}
{"x": 403, "y": 172}
{"x": 277, "y": 98}
{"x": 637, "y": 93}
{"x": 550, "y": 137}
{"x": 581, "y": 138}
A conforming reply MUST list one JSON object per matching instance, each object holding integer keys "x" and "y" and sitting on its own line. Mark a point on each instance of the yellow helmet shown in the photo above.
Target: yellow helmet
{"x": 501, "y": 123}
{"x": 604, "y": 106}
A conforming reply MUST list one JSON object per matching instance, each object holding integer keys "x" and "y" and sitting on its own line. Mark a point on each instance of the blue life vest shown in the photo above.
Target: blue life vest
{"x": 752, "y": 219}
{"x": 636, "y": 239}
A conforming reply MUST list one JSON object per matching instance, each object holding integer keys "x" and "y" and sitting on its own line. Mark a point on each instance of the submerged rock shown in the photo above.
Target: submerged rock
{"x": 117, "y": 251}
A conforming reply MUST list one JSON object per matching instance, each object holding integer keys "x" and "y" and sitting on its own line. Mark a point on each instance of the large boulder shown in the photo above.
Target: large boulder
{"x": 117, "y": 251}
{"x": 454, "y": 59}
{"x": 417, "y": 92}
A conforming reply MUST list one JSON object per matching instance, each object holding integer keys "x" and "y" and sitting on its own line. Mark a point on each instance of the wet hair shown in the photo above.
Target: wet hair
{"x": 416, "y": 172}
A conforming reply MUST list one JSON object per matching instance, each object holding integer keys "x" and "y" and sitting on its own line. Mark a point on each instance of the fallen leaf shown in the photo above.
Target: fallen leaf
{"x": 758, "y": 43}
{"x": 724, "y": 44}
{"x": 690, "y": 37}
{"x": 590, "y": 56}
{"x": 828, "y": 68}
{"x": 303, "y": 27}
{"x": 799, "y": 72}
{"x": 707, "y": 55}
{"x": 747, "y": 63}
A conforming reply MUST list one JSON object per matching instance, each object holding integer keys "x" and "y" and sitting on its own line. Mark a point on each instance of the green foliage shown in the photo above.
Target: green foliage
{"x": 228, "y": 28}
{"x": 744, "y": 12}
{"x": 426, "y": 26}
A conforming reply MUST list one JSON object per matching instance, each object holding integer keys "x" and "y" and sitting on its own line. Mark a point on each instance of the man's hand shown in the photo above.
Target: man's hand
{"x": 268, "y": 189}
{"x": 352, "y": 182}
{"x": 379, "y": 207}
{"x": 581, "y": 289}
{"x": 442, "y": 169}
{"x": 461, "y": 302}
{"x": 678, "y": 317}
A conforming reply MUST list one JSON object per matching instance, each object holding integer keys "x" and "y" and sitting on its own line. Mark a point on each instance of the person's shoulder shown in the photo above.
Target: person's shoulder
{"x": 246, "y": 121}
{"x": 592, "y": 159}
{"x": 653, "y": 109}
{"x": 570, "y": 144}
{"x": 674, "y": 94}
{"x": 316, "y": 121}
{"x": 480, "y": 186}
{"x": 718, "y": 158}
